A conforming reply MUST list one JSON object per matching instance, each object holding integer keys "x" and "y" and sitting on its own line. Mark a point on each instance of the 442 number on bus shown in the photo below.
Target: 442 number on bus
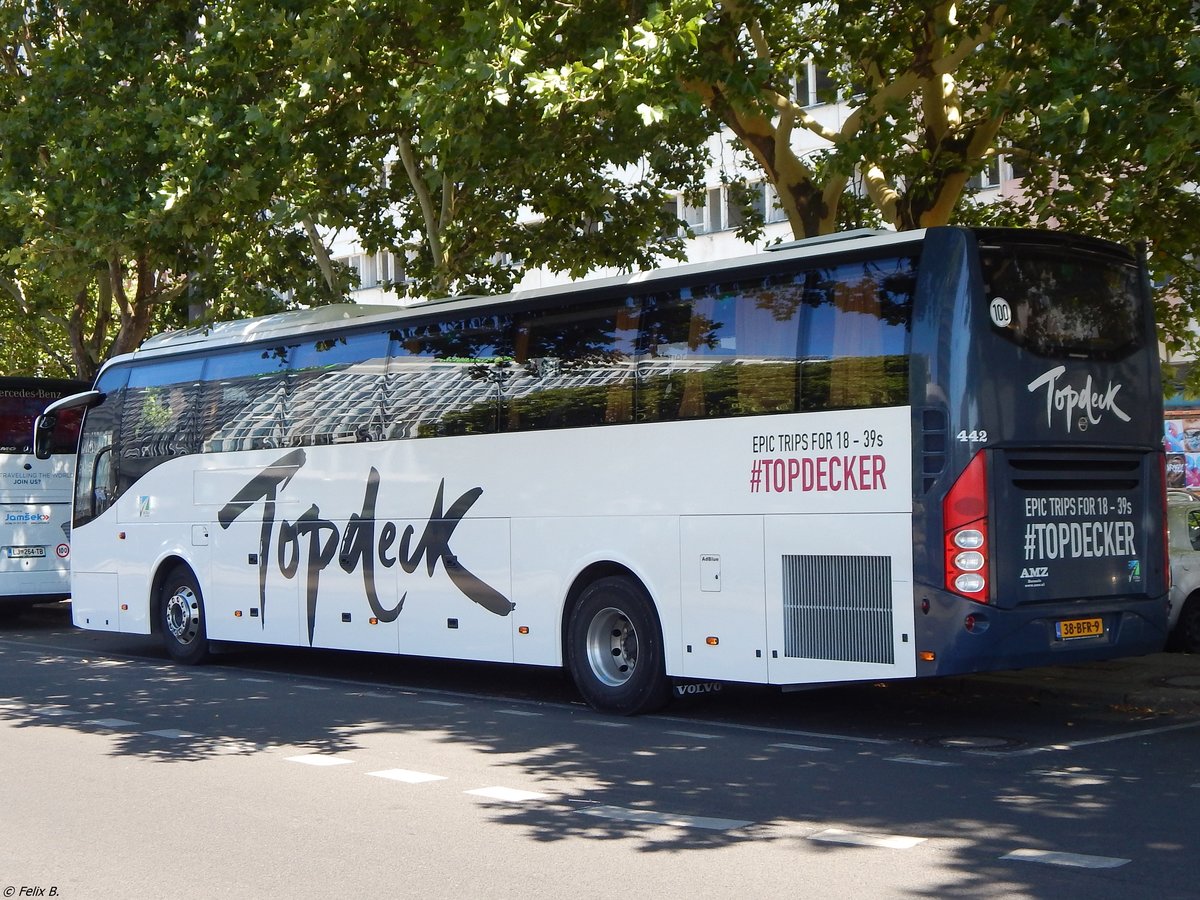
{"x": 972, "y": 437}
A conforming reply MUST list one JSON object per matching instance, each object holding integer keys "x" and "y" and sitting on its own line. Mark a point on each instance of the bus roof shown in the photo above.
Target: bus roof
{"x": 302, "y": 321}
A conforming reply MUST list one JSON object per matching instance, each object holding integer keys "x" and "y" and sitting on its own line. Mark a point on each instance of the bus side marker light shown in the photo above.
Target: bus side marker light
{"x": 124, "y": 607}
{"x": 975, "y": 624}
{"x": 237, "y": 613}
{"x": 712, "y": 641}
{"x": 524, "y": 629}
{"x": 120, "y": 535}
{"x": 373, "y": 621}
{"x": 927, "y": 656}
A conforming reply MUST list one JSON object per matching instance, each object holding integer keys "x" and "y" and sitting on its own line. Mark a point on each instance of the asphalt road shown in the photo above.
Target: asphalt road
{"x": 310, "y": 775}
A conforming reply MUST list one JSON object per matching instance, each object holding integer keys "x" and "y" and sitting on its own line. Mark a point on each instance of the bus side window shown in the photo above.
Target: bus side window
{"x": 335, "y": 390}
{"x": 665, "y": 335}
{"x": 447, "y": 377}
{"x": 726, "y": 350}
{"x": 242, "y": 397}
{"x": 104, "y": 481}
{"x": 96, "y": 474}
{"x": 856, "y": 335}
{"x": 574, "y": 368}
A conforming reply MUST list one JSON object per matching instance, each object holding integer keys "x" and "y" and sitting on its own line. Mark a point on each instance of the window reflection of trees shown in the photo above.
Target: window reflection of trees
{"x": 834, "y": 337}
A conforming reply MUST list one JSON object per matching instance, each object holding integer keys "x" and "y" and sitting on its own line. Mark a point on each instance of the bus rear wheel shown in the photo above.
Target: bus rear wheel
{"x": 181, "y": 615}
{"x": 615, "y": 648}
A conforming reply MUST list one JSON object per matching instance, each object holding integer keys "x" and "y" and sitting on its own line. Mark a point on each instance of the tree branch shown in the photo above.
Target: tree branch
{"x": 322, "y": 255}
{"x": 432, "y": 224}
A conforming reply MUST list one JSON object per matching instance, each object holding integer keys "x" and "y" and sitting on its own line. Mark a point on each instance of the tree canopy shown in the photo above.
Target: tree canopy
{"x": 174, "y": 161}
{"x": 95, "y": 253}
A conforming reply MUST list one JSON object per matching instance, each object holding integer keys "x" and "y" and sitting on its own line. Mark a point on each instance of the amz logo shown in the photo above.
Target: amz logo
{"x": 1036, "y": 572}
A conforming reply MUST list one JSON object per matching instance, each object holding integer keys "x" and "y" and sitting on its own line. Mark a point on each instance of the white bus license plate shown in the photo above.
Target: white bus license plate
{"x": 25, "y": 552}
{"x": 1068, "y": 629}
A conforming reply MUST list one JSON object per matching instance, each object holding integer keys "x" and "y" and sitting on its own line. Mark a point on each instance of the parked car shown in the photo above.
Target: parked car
{"x": 1183, "y": 524}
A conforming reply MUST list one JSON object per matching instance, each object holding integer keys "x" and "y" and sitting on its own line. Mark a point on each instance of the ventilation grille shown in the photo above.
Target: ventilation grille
{"x": 1032, "y": 471}
{"x": 838, "y": 607}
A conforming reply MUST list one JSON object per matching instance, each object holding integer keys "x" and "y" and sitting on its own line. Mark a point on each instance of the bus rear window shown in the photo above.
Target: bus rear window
{"x": 1060, "y": 303}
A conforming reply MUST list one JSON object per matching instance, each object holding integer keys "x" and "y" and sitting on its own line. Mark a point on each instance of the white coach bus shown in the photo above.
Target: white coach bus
{"x": 886, "y": 456}
{"x": 35, "y": 494}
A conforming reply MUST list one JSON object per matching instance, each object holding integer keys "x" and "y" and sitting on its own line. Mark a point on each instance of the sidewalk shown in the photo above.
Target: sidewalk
{"x": 1162, "y": 683}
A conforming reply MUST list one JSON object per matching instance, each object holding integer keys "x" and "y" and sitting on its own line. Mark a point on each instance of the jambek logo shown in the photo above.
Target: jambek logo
{"x": 26, "y": 517}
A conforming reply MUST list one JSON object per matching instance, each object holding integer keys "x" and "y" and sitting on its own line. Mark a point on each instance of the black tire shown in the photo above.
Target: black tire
{"x": 615, "y": 648}
{"x": 181, "y": 617}
{"x": 1185, "y": 636}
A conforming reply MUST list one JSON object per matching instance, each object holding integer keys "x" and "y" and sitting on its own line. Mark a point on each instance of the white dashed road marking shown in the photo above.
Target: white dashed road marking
{"x": 407, "y": 776}
{"x": 863, "y": 839}
{"x": 652, "y": 817}
{"x": 508, "y": 795}
{"x": 917, "y": 761}
{"x": 1073, "y": 745}
{"x": 1069, "y": 778}
{"x": 53, "y": 711}
{"x": 318, "y": 759}
{"x": 1077, "y": 860}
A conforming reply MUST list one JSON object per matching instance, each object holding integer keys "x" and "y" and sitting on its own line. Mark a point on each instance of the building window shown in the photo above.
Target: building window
{"x": 989, "y": 177}
{"x": 1017, "y": 166}
{"x": 757, "y": 192}
{"x": 775, "y": 210}
{"x": 814, "y": 85}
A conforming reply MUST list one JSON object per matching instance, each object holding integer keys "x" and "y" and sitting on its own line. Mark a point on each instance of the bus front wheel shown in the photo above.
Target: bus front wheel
{"x": 181, "y": 615}
{"x": 615, "y": 648}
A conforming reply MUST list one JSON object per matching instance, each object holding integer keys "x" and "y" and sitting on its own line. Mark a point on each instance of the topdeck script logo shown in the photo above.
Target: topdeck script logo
{"x": 1067, "y": 399}
{"x": 357, "y": 544}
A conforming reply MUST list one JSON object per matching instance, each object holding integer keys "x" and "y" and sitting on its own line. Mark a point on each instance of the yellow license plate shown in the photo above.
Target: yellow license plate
{"x": 1067, "y": 629}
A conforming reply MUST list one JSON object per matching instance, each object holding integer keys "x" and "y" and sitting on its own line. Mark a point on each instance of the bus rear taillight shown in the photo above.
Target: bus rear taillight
{"x": 964, "y": 516}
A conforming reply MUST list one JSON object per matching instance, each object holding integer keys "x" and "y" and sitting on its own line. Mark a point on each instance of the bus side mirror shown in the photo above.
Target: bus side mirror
{"x": 43, "y": 432}
{"x": 44, "y": 425}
